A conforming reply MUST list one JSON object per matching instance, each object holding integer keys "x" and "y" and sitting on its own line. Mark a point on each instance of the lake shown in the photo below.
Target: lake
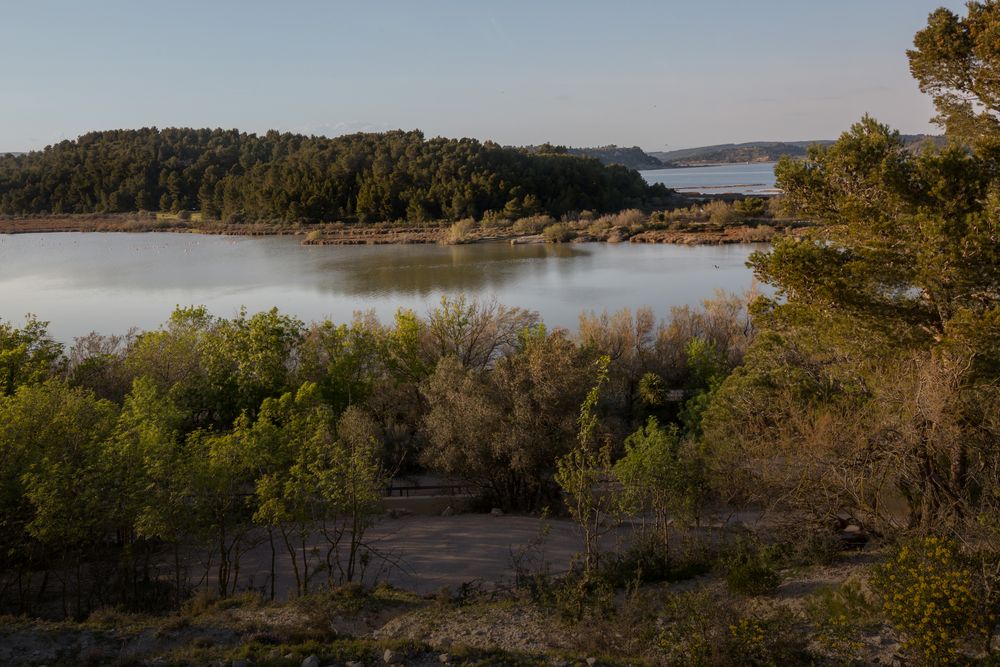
{"x": 754, "y": 178}
{"x": 108, "y": 282}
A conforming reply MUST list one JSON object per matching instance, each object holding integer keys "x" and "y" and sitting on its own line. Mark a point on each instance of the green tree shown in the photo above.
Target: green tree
{"x": 955, "y": 59}
{"x": 658, "y": 474}
{"x": 583, "y": 475}
{"x": 903, "y": 278}
{"x": 54, "y": 480}
{"x": 27, "y": 355}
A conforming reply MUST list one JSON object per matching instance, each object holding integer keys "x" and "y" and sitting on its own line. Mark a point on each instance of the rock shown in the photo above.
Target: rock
{"x": 354, "y": 663}
{"x": 311, "y": 661}
{"x": 239, "y": 663}
{"x": 447, "y": 511}
{"x": 391, "y": 657}
{"x": 591, "y": 661}
{"x": 274, "y": 654}
{"x": 496, "y": 511}
{"x": 444, "y": 658}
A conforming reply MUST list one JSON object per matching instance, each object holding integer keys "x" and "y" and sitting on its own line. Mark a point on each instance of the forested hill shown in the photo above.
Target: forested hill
{"x": 237, "y": 176}
{"x": 764, "y": 151}
{"x": 633, "y": 158}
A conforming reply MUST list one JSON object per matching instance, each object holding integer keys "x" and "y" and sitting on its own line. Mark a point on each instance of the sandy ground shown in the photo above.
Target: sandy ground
{"x": 424, "y": 554}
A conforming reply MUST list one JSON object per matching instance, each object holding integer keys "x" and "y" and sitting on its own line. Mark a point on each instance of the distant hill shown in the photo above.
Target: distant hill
{"x": 365, "y": 177}
{"x": 633, "y": 158}
{"x": 760, "y": 151}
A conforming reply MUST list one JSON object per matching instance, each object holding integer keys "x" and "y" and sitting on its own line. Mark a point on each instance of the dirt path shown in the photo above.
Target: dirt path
{"x": 426, "y": 553}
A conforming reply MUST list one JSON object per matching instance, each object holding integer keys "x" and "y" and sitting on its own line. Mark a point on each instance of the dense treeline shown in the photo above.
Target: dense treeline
{"x": 279, "y": 176}
{"x": 135, "y": 468}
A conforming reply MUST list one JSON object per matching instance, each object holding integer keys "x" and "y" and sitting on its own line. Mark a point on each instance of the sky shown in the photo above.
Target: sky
{"x": 657, "y": 74}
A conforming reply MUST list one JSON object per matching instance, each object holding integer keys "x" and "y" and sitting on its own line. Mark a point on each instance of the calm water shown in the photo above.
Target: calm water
{"x": 757, "y": 178}
{"x": 109, "y": 282}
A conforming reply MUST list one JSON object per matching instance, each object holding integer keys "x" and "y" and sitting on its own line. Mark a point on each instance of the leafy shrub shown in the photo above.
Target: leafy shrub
{"x": 459, "y": 231}
{"x": 931, "y": 597}
{"x": 558, "y": 233}
{"x": 750, "y": 569}
{"x": 532, "y": 224}
{"x": 580, "y": 595}
{"x": 805, "y": 548}
{"x": 751, "y": 207}
{"x": 700, "y": 630}
{"x": 719, "y": 212}
{"x": 649, "y": 560}
{"x": 841, "y": 615}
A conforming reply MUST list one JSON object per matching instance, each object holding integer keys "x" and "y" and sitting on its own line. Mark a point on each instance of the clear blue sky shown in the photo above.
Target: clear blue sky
{"x": 667, "y": 73}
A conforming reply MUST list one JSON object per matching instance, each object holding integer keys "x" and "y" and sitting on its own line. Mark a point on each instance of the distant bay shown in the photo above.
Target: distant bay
{"x": 751, "y": 178}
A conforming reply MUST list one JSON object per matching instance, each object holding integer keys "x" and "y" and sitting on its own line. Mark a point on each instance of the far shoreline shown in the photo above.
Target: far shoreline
{"x": 762, "y": 231}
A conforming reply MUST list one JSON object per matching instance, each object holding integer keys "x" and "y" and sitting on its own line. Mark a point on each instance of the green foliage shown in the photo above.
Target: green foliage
{"x": 652, "y": 390}
{"x": 227, "y": 436}
{"x": 750, "y": 569}
{"x": 898, "y": 290}
{"x": 504, "y": 430}
{"x": 955, "y": 60}
{"x": 28, "y": 355}
{"x": 558, "y": 233}
{"x": 751, "y": 207}
{"x": 932, "y": 598}
{"x": 288, "y": 177}
{"x": 657, "y": 474}
{"x": 707, "y": 369}
{"x": 842, "y": 615}
{"x": 697, "y": 629}
{"x": 582, "y": 473}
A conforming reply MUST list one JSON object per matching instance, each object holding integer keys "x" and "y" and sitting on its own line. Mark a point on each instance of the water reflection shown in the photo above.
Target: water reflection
{"x": 109, "y": 282}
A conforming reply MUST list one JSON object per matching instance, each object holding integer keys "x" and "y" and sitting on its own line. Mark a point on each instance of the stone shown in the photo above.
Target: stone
{"x": 240, "y": 663}
{"x": 496, "y": 511}
{"x": 591, "y": 661}
{"x": 311, "y": 661}
{"x": 391, "y": 657}
{"x": 444, "y": 658}
{"x": 354, "y": 663}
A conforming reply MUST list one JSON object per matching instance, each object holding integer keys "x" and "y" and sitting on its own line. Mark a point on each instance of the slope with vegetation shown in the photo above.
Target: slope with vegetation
{"x": 858, "y": 408}
{"x": 234, "y": 176}
{"x": 633, "y": 158}
{"x": 766, "y": 151}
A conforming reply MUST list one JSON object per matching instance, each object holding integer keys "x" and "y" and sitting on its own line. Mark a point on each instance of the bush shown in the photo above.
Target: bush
{"x": 558, "y": 233}
{"x": 719, "y": 212}
{"x": 932, "y": 599}
{"x": 700, "y": 630}
{"x": 532, "y": 225}
{"x": 649, "y": 560}
{"x": 579, "y": 595}
{"x": 750, "y": 570}
{"x": 460, "y": 230}
{"x": 752, "y": 207}
{"x": 494, "y": 220}
{"x": 841, "y": 616}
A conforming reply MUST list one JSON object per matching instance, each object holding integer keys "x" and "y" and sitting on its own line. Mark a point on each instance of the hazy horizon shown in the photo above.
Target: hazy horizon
{"x": 659, "y": 75}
